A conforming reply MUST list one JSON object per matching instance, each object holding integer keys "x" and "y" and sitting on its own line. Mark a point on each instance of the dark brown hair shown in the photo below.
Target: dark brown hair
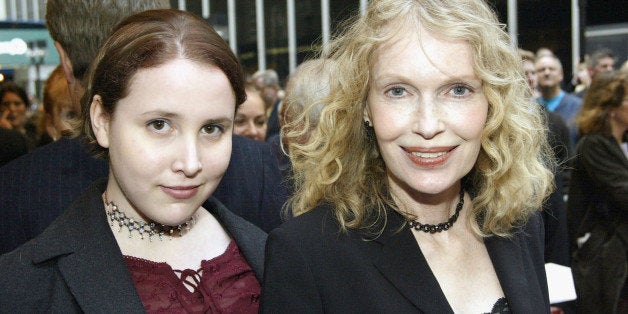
{"x": 147, "y": 40}
{"x": 606, "y": 92}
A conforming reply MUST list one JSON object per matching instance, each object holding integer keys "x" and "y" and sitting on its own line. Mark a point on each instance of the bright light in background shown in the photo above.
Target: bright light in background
{"x": 16, "y": 46}
{"x": 1, "y": 77}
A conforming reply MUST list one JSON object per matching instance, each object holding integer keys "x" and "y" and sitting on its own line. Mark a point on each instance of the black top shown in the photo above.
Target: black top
{"x": 12, "y": 145}
{"x": 311, "y": 267}
{"x": 75, "y": 265}
{"x": 599, "y": 185}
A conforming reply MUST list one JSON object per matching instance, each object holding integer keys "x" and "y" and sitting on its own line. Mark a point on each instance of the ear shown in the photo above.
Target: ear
{"x": 50, "y": 128}
{"x": 66, "y": 64}
{"x": 366, "y": 114}
{"x": 100, "y": 120}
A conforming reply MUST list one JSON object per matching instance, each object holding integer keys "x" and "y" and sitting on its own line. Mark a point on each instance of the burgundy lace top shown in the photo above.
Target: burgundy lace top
{"x": 224, "y": 284}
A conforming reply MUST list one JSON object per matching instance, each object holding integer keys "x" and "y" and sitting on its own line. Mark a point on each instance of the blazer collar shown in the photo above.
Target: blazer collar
{"x": 250, "y": 239}
{"x": 88, "y": 256}
{"x": 508, "y": 256}
{"x": 403, "y": 264}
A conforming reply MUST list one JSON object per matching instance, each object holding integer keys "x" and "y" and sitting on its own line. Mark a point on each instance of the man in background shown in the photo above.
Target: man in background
{"x": 550, "y": 75}
{"x": 267, "y": 82}
{"x": 601, "y": 60}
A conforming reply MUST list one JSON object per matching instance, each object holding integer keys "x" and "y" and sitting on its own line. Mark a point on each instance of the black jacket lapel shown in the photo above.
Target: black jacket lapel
{"x": 513, "y": 262}
{"x": 250, "y": 239}
{"x": 402, "y": 263}
{"x": 88, "y": 257}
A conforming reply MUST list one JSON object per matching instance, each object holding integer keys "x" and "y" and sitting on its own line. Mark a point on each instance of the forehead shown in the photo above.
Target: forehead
{"x": 414, "y": 47}
{"x": 253, "y": 103}
{"x": 606, "y": 60}
{"x": 181, "y": 85}
{"x": 547, "y": 61}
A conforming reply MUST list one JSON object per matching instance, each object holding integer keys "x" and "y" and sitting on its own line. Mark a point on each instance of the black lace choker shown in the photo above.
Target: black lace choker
{"x": 443, "y": 226}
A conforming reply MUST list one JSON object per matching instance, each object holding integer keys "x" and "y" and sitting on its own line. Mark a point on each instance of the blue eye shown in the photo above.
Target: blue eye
{"x": 460, "y": 90}
{"x": 159, "y": 126}
{"x": 396, "y": 92}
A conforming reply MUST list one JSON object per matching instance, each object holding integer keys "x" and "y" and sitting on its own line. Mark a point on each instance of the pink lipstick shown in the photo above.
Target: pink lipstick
{"x": 429, "y": 157}
{"x": 180, "y": 192}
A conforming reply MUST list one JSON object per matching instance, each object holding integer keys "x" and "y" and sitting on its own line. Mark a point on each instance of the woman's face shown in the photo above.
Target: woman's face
{"x": 169, "y": 140}
{"x": 428, "y": 110}
{"x": 250, "y": 118}
{"x": 16, "y": 107}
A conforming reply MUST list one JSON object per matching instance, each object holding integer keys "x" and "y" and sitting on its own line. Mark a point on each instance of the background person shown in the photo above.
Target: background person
{"x": 549, "y": 70}
{"x": 307, "y": 86}
{"x": 598, "y": 197}
{"x": 267, "y": 82}
{"x": 13, "y": 105}
{"x": 420, "y": 189}
{"x": 59, "y": 111}
{"x": 162, "y": 97}
{"x": 251, "y": 117}
{"x": 600, "y": 61}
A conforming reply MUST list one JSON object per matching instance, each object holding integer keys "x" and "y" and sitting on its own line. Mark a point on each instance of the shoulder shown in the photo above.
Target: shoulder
{"x": 12, "y": 145}
{"x": 245, "y": 146}
{"x": 596, "y": 145}
{"x": 534, "y": 225}
{"x": 315, "y": 223}
{"x": 22, "y": 280}
{"x": 572, "y": 99}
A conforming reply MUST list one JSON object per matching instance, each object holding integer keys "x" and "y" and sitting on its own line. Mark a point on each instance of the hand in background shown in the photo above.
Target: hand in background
{"x": 4, "y": 120}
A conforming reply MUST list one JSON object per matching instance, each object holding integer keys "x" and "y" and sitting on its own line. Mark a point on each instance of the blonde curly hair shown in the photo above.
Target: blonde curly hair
{"x": 340, "y": 165}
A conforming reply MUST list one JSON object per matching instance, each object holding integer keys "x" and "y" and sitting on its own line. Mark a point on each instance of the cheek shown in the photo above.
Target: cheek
{"x": 216, "y": 159}
{"x": 388, "y": 121}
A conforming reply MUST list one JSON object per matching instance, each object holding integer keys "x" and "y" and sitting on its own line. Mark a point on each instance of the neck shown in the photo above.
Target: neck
{"x": 429, "y": 208}
{"x": 549, "y": 92}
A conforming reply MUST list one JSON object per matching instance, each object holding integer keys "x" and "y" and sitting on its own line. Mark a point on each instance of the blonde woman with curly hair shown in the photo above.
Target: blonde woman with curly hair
{"x": 420, "y": 189}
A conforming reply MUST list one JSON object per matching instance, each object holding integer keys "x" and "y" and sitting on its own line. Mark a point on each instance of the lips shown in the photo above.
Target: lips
{"x": 180, "y": 192}
{"x": 429, "y": 157}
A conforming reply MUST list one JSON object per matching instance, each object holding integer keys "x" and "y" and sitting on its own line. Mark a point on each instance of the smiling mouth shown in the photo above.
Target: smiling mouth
{"x": 428, "y": 155}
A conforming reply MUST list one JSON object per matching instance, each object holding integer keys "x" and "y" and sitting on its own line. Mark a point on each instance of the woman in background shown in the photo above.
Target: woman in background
{"x": 598, "y": 197}
{"x": 160, "y": 104}
{"x": 13, "y": 105}
{"x": 58, "y": 109}
{"x": 250, "y": 119}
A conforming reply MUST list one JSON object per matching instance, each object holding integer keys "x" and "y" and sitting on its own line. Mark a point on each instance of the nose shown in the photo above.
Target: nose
{"x": 188, "y": 159}
{"x": 428, "y": 121}
{"x": 251, "y": 130}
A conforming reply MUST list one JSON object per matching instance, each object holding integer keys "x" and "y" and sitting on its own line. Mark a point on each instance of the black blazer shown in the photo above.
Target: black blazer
{"x": 75, "y": 265}
{"x": 599, "y": 185}
{"x": 313, "y": 268}
{"x": 36, "y": 188}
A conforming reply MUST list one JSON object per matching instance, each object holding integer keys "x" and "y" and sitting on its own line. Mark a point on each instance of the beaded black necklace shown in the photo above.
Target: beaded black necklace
{"x": 443, "y": 226}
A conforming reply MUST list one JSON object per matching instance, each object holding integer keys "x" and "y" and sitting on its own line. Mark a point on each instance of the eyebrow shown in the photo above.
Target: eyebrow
{"x": 172, "y": 115}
